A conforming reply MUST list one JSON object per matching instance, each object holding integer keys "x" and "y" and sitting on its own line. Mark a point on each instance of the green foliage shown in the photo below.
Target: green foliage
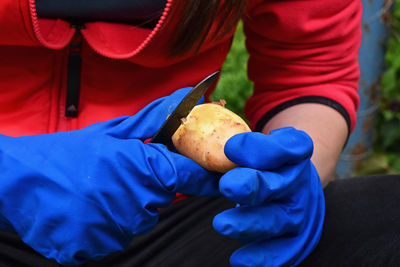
{"x": 387, "y": 144}
{"x": 378, "y": 163}
{"x": 233, "y": 85}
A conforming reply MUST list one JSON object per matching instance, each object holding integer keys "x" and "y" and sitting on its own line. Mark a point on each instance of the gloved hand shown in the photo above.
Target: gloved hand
{"x": 281, "y": 206}
{"x": 79, "y": 195}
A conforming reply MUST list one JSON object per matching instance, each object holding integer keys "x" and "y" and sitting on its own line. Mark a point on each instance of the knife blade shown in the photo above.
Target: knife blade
{"x": 169, "y": 127}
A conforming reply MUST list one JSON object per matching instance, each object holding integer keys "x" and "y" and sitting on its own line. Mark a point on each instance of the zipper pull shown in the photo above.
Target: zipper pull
{"x": 74, "y": 74}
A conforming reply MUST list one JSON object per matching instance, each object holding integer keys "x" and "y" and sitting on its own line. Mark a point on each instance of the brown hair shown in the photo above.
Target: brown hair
{"x": 196, "y": 19}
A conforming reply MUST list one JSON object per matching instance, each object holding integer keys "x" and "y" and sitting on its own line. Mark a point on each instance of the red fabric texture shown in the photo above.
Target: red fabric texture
{"x": 297, "y": 48}
{"x": 303, "y": 48}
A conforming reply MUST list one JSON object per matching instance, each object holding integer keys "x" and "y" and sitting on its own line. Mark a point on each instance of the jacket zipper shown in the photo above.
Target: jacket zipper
{"x": 74, "y": 58}
{"x": 74, "y": 74}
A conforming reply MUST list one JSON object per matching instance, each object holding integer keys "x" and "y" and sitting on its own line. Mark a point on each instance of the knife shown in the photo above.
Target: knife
{"x": 169, "y": 127}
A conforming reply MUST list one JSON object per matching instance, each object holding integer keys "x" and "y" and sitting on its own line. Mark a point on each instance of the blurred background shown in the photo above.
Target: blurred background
{"x": 374, "y": 146}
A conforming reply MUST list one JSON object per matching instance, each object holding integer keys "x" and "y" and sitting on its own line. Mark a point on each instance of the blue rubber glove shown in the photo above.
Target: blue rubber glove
{"x": 79, "y": 195}
{"x": 281, "y": 206}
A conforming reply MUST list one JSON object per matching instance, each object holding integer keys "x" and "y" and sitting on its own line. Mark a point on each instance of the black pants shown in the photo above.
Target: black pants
{"x": 362, "y": 228}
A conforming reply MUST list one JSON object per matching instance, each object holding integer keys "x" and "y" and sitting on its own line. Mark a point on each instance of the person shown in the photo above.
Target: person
{"x": 85, "y": 83}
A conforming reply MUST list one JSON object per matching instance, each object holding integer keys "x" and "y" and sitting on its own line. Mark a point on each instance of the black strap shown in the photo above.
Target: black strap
{"x": 124, "y": 11}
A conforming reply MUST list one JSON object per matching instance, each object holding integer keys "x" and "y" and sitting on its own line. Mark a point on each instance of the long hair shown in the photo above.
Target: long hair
{"x": 196, "y": 19}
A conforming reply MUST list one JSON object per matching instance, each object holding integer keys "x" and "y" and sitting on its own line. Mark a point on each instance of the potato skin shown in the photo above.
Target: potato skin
{"x": 203, "y": 134}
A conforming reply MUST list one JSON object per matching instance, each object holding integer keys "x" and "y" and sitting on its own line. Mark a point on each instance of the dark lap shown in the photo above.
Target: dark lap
{"x": 362, "y": 225}
{"x": 362, "y": 228}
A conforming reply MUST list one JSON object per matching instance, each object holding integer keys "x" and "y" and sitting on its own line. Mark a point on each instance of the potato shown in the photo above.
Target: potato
{"x": 204, "y": 132}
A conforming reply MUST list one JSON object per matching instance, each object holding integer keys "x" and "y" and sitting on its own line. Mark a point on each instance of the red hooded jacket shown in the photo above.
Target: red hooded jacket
{"x": 300, "y": 51}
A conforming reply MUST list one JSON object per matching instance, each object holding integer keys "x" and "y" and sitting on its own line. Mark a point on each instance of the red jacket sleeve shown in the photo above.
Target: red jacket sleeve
{"x": 303, "y": 51}
{"x": 20, "y": 26}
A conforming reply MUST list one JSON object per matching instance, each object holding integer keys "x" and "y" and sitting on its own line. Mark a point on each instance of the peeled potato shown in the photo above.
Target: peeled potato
{"x": 204, "y": 132}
